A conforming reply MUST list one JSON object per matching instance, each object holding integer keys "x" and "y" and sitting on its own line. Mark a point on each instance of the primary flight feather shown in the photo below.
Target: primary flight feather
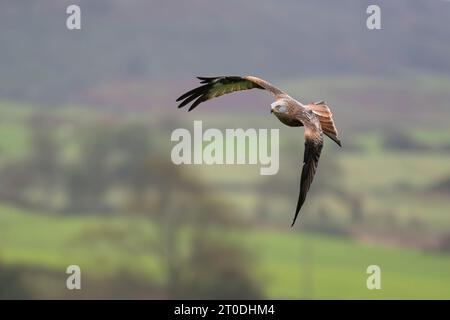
{"x": 315, "y": 117}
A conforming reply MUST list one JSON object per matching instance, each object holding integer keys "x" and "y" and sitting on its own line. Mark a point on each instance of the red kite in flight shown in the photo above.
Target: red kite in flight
{"x": 315, "y": 117}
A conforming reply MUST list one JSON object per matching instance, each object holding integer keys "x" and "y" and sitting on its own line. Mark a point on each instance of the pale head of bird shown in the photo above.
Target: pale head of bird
{"x": 278, "y": 107}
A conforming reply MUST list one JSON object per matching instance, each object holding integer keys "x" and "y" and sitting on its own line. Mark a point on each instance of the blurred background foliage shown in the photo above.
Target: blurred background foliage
{"x": 86, "y": 176}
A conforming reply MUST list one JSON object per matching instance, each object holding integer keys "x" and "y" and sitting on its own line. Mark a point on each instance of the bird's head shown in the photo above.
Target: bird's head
{"x": 278, "y": 107}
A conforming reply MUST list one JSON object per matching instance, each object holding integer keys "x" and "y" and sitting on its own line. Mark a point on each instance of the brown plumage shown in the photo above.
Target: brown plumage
{"x": 315, "y": 117}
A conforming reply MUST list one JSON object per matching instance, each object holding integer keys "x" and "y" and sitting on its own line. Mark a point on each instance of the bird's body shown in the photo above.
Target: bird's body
{"x": 315, "y": 117}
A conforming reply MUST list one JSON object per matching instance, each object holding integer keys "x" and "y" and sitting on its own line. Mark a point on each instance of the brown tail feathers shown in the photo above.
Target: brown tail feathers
{"x": 326, "y": 120}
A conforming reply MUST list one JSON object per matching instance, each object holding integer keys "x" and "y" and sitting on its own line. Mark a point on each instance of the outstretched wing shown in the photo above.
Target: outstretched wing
{"x": 218, "y": 86}
{"x": 313, "y": 147}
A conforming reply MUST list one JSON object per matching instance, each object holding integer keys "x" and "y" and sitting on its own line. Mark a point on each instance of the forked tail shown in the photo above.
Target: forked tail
{"x": 325, "y": 116}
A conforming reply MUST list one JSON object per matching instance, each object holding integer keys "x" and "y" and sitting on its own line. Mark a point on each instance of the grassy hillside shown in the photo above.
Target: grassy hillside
{"x": 287, "y": 265}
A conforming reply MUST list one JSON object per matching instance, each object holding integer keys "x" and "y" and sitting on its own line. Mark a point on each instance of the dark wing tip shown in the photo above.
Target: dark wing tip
{"x": 196, "y": 92}
{"x": 203, "y": 92}
{"x": 193, "y": 94}
{"x": 197, "y": 102}
{"x": 313, "y": 148}
{"x": 297, "y": 210}
{"x": 293, "y": 222}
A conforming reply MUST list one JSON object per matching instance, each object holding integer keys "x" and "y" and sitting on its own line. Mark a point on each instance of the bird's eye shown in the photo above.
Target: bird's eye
{"x": 282, "y": 109}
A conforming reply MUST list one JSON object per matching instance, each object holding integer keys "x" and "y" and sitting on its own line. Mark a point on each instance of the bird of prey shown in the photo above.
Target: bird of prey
{"x": 315, "y": 117}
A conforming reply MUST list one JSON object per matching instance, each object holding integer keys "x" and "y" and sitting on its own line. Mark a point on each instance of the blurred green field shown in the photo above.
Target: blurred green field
{"x": 286, "y": 265}
{"x": 395, "y": 183}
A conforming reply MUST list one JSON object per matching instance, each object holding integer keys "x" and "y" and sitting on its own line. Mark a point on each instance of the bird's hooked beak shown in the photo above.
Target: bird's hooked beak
{"x": 272, "y": 107}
